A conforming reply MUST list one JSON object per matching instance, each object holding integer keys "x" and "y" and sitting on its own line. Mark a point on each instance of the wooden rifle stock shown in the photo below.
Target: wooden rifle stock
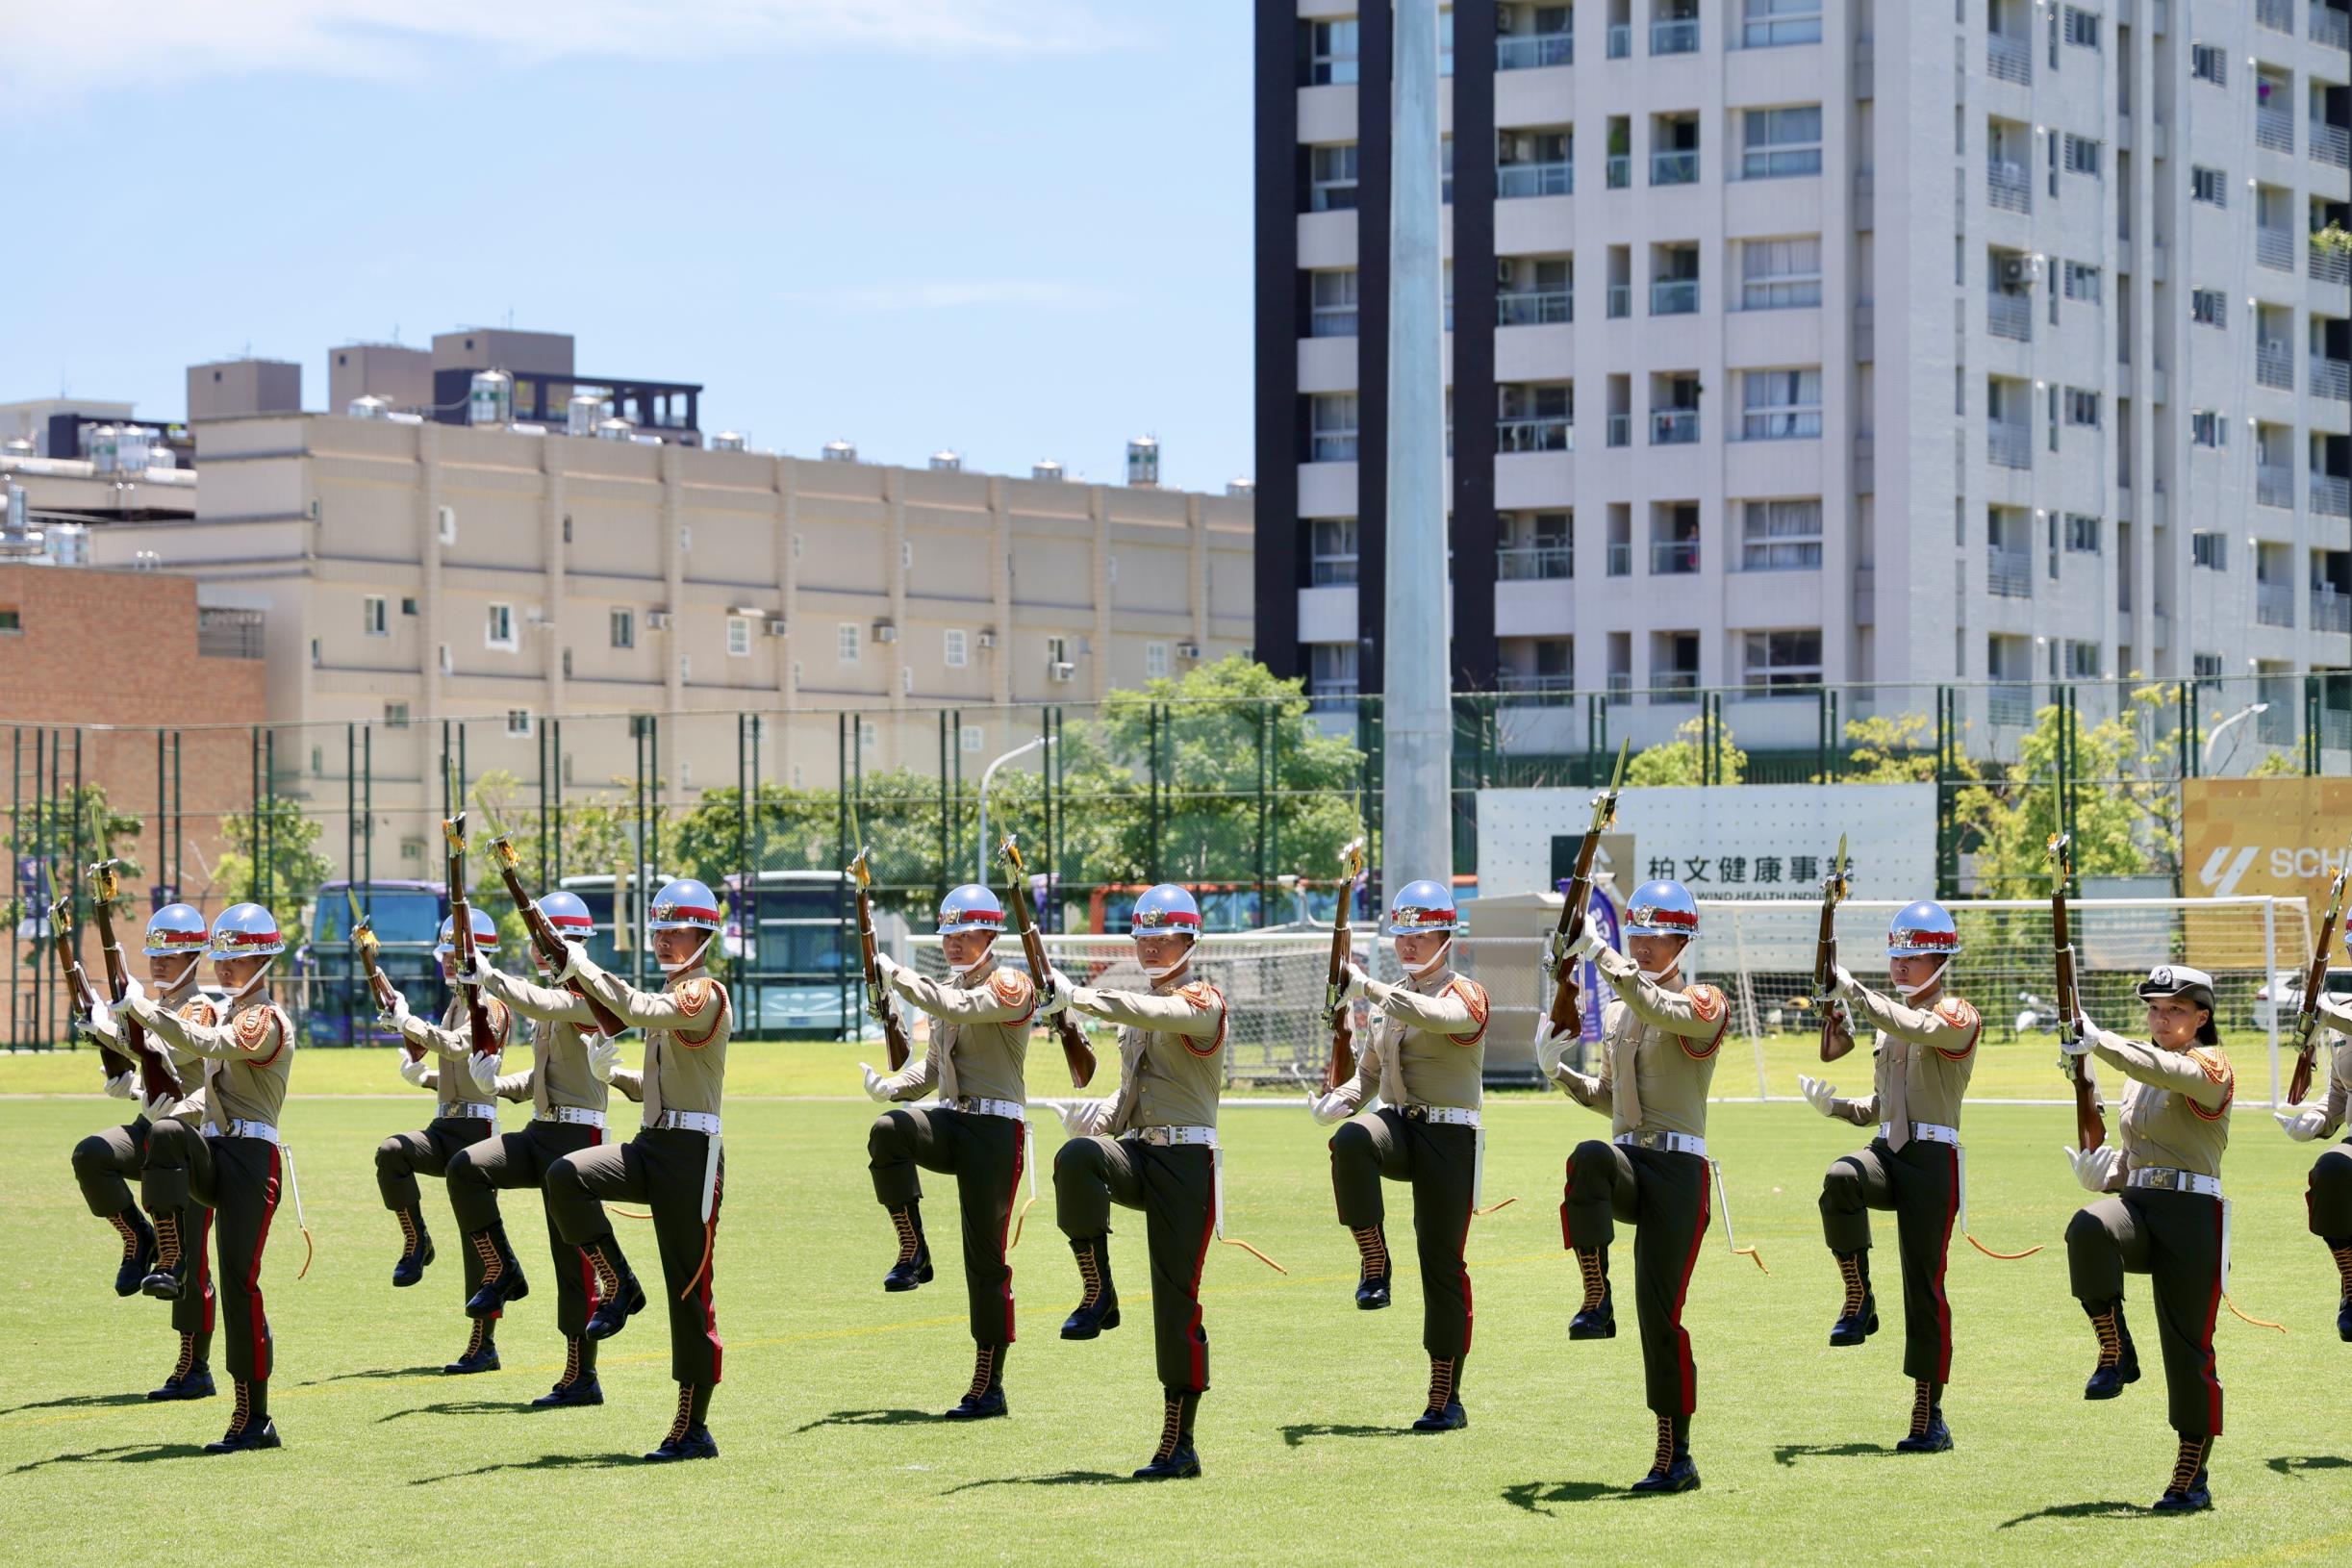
{"x": 1576, "y": 906}
{"x": 1075, "y": 1051}
{"x": 461, "y": 938}
{"x": 2090, "y": 1123}
{"x": 1825, "y": 950}
{"x": 2306, "y": 1019}
{"x": 895, "y": 1040}
{"x": 156, "y": 1075}
{"x": 543, "y": 935}
{"x": 1340, "y": 1019}
{"x": 77, "y": 981}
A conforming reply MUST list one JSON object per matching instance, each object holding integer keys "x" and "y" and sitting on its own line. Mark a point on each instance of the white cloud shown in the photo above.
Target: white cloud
{"x": 950, "y": 294}
{"x": 94, "y": 46}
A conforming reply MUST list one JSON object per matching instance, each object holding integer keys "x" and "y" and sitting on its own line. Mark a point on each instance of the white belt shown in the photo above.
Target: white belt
{"x": 1926, "y": 1132}
{"x": 1452, "y": 1116}
{"x": 238, "y": 1127}
{"x": 470, "y": 1110}
{"x": 1672, "y": 1143}
{"x": 687, "y": 1121}
{"x": 579, "y": 1114}
{"x": 1012, "y": 1110}
{"x": 2163, "y": 1178}
{"x": 1207, "y": 1137}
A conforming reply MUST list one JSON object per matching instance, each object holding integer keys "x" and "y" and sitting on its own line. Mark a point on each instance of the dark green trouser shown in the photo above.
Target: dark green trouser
{"x": 240, "y": 1178}
{"x": 400, "y": 1157}
{"x": 2175, "y": 1239}
{"x": 523, "y": 1160}
{"x": 1921, "y": 1184}
{"x": 1175, "y": 1186}
{"x": 1664, "y": 1196}
{"x": 1441, "y": 1160}
{"x": 103, "y": 1163}
{"x": 2328, "y": 1197}
{"x": 661, "y": 1169}
{"x": 984, "y": 1153}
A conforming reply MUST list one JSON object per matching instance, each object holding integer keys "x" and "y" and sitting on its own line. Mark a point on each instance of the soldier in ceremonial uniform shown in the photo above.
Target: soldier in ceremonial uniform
{"x": 567, "y": 1114}
{"x": 464, "y": 1116}
{"x": 2164, "y": 1215}
{"x": 1660, "y": 1040}
{"x": 675, "y": 1165}
{"x": 1924, "y": 1050}
{"x": 1426, "y": 1060}
{"x": 2328, "y": 1194}
{"x": 104, "y": 1162}
{"x": 976, "y": 1062}
{"x": 1151, "y": 1146}
{"x": 236, "y": 1165}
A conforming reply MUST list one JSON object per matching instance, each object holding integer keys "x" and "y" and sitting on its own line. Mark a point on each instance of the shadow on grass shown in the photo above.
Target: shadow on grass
{"x": 1788, "y": 1453}
{"x": 869, "y": 1418}
{"x": 456, "y": 1407}
{"x": 1059, "y": 1478}
{"x": 123, "y": 1453}
{"x": 1293, "y": 1436}
{"x": 2084, "y": 1510}
{"x": 372, "y": 1373}
{"x": 76, "y": 1402}
{"x": 2288, "y": 1464}
{"x": 1532, "y": 1494}
{"x": 545, "y": 1461}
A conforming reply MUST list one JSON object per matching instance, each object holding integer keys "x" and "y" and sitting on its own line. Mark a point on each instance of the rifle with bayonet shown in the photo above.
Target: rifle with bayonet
{"x": 1833, "y": 892}
{"x": 1577, "y": 906}
{"x": 379, "y": 986}
{"x": 1339, "y": 1019}
{"x": 461, "y": 938}
{"x": 2307, "y": 1017}
{"x": 543, "y": 935}
{"x": 879, "y": 1002}
{"x": 2089, "y": 1122}
{"x": 1075, "y": 1051}
{"x": 158, "y": 1077}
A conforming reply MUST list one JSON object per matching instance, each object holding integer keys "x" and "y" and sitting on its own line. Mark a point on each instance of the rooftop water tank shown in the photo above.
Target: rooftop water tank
{"x": 368, "y": 406}
{"x": 1144, "y": 462}
{"x": 490, "y": 398}
{"x": 947, "y": 461}
{"x": 727, "y": 441}
{"x": 586, "y": 411}
{"x": 1047, "y": 469}
{"x": 839, "y": 451}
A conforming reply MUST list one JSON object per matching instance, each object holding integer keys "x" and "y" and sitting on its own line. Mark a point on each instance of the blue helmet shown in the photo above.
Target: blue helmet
{"x": 485, "y": 933}
{"x": 567, "y": 914}
{"x": 684, "y": 904}
{"x": 1662, "y": 909}
{"x": 246, "y": 931}
{"x": 177, "y": 928}
{"x": 1923, "y": 929}
{"x": 1164, "y": 909}
{"x": 971, "y": 907}
{"x": 1421, "y": 907}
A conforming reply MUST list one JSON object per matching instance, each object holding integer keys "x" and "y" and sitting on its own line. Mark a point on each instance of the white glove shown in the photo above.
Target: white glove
{"x": 99, "y": 1024}
{"x": 1835, "y": 1008}
{"x": 1818, "y": 1094}
{"x": 1056, "y": 1002}
{"x": 1078, "y": 1115}
{"x": 2083, "y": 1027}
{"x": 2301, "y": 1126}
{"x": 1061, "y": 981}
{"x": 2094, "y": 1168}
{"x": 1587, "y": 944}
{"x": 1551, "y": 1048}
{"x": 574, "y": 955}
{"x": 413, "y": 1069}
{"x": 874, "y": 1085}
{"x": 886, "y": 969}
{"x": 158, "y": 1108}
{"x": 123, "y": 1086}
{"x": 134, "y": 999}
{"x": 474, "y": 973}
{"x": 603, "y": 1057}
{"x": 1327, "y": 1108}
{"x": 1843, "y": 982}
{"x": 397, "y": 1015}
{"x": 1353, "y": 987}
{"x": 484, "y": 1070}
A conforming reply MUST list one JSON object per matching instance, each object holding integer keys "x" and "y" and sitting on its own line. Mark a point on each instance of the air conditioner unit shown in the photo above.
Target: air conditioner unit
{"x": 778, "y": 628}
{"x": 885, "y": 632}
{"x": 1502, "y": 270}
{"x": 986, "y": 640}
{"x": 1502, "y": 18}
{"x": 1188, "y": 650}
{"x": 657, "y": 621}
{"x": 2020, "y": 271}
{"x": 1061, "y": 671}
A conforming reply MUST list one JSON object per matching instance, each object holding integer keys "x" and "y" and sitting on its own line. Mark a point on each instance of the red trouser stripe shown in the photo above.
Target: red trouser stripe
{"x": 1198, "y": 1344}
{"x": 257, "y": 1321}
{"x": 1567, "y": 1197}
{"x": 2204, "y": 1340}
{"x": 1943, "y": 1260}
{"x": 710, "y": 1276}
{"x": 203, "y": 1266}
{"x": 588, "y": 1270}
{"x": 1461, "y": 1247}
{"x": 1682, "y": 1292}
{"x": 1004, "y": 1230}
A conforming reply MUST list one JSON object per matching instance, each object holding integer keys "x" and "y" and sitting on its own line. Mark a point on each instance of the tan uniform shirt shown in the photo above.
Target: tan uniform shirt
{"x": 452, "y": 1042}
{"x": 1428, "y": 1046}
{"x": 979, "y": 1037}
{"x": 1933, "y": 1049}
{"x": 248, "y": 1057}
{"x": 1171, "y": 1056}
{"x": 1658, "y": 1047}
{"x": 2176, "y": 1110}
{"x": 558, "y": 1074}
{"x": 687, "y": 1028}
{"x": 2338, "y": 1102}
{"x": 190, "y": 1005}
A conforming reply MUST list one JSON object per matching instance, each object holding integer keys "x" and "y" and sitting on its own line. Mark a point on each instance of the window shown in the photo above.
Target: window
{"x": 1331, "y": 668}
{"x": 847, "y": 638}
{"x": 2082, "y": 533}
{"x": 2081, "y": 283}
{"x": 686, "y": 666}
{"x": 2209, "y": 63}
{"x": 395, "y": 716}
{"x": 2082, "y": 407}
{"x": 1057, "y": 650}
{"x": 1783, "y": 405}
{"x": 1780, "y": 274}
{"x": 2210, "y": 549}
{"x": 2207, "y": 668}
{"x": 2082, "y": 28}
{"x": 2082, "y": 153}
{"x": 1332, "y": 427}
{"x": 1330, "y": 551}
{"x": 372, "y": 619}
{"x": 2209, "y": 184}
{"x": 519, "y": 722}
{"x": 2082, "y": 661}
{"x": 906, "y": 679}
{"x": 968, "y": 736}
{"x": 1331, "y": 53}
{"x": 1779, "y": 660}
{"x": 499, "y": 631}
{"x": 1332, "y": 304}
{"x": 2207, "y": 428}
{"x": 1780, "y": 536}
{"x": 1782, "y": 141}
{"x": 2210, "y": 308}
{"x": 12, "y": 621}
{"x": 953, "y": 649}
{"x": 408, "y": 606}
{"x": 624, "y": 628}
{"x": 1330, "y": 178}
{"x": 1155, "y": 661}
{"x": 1772, "y": 23}
{"x": 739, "y": 637}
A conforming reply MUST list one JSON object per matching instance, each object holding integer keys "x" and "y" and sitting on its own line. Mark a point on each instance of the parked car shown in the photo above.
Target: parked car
{"x": 2287, "y": 986}
{"x": 405, "y": 918}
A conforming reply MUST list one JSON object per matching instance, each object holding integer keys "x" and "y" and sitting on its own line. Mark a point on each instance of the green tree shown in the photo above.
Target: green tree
{"x": 2126, "y": 797}
{"x": 290, "y": 868}
{"x": 51, "y": 827}
{"x": 1888, "y": 750}
{"x": 1681, "y": 763}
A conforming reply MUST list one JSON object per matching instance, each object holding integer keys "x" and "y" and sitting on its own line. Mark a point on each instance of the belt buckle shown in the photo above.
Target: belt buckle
{"x": 2168, "y": 1179}
{"x": 1416, "y": 1113}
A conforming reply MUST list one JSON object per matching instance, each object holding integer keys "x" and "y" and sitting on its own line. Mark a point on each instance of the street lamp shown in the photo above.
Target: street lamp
{"x": 2245, "y": 712}
{"x": 1020, "y": 751}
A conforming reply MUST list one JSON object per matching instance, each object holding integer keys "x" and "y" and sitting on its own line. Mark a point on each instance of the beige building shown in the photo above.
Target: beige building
{"x": 227, "y": 388}
{"x": 416, "y": 572}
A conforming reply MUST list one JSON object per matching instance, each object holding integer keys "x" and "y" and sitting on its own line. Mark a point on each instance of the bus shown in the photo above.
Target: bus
{"x": 405, "y": 918}
{"x": 612, "y": 947}
{"x": 793, "y": 950}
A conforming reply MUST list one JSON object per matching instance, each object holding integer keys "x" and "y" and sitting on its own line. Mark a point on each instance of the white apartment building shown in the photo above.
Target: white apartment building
{"x": 1826, "y": 340}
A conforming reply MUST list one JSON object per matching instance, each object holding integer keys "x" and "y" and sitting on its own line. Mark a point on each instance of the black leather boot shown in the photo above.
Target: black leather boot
{"x": 1175, "y": 1459}
{"x": 1373, "y": 1268}
{"x": 137, "y": 1250}
{"x": 620, "y": 1297}
{"x": 1098, "y": 1305}
{"x": 913, "y": 1266}
{"x": 502, "y": 1280}
{"x": 1858, "y": 1318}
{"x": 415, "y": 1249}
{"x": 2118, "y": 1361}
{"x": 1597, "y": 1318}
{"x": 985, "y": 1398}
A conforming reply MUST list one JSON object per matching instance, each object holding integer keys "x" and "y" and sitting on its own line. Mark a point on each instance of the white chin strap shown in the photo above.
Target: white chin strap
{"x": 1435, "y": 964}
{"x": 987, "y": 952}
{"x": 691, "y": 959}
{"x": 1165, "y": 971}
{"x": 259, "y": 975}
{"x": 1912, "y": 993}
{"x": 188, "y": 976}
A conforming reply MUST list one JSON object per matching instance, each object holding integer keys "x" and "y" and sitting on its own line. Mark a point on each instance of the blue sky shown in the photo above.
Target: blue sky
{"x": 1018, "y": 228}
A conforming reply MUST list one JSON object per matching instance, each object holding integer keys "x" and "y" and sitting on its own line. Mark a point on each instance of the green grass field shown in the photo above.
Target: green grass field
{"x": 827, "y": 1454}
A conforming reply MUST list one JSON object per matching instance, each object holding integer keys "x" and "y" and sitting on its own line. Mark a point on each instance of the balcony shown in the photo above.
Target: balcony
{"x": 1513, "y": 180}
{"x": 1534, "y": 563}
{"x": 2329, "y": 263}
{"x": 1335, "y": 447}
{"x": 1332, "y": 571}
{"x": 2275, "y": 249}
{"x": 1674, "y": 687}
{"x": 2274, "y": 604}
{"x": 1782, "y": 424}
{"x": 2274, "y": 484}
{"x": 1621, "y": 559}
{"x": 1527, "y": 680}
{"x": 2008, "y": 58}
{"x": 2330, "y": 144}
{"x": 2330, "y": 26}
{"x": 2274, "y": 129}
{"x": 2278, "y": 16}
{"x": 2009, "y": 703}
{"x": 2009, "y": 444}
{"x": 1534, "y": 310}
{"x": 1674, "y": 297}
{"x": 2332, "y": 378}
{"x": 1674, "y": 168}
{"x": 1620, "y": 170}
{"x": 1674, "y": 557}
{"x": 1538, "y": 435}
{"x": 1621, "y": 430}
{"x": 1620, "y": 300}
{"x": 2010, "y": 574}
{"x": 1674, "y": 427}
{"x": 2274, "y": 367}
{"x": 2331, "y": 609}
{"x": 2009, "y": 315}
{"x": 1675, "y": 38}
{"x": 1620, "y": 683}
{"x": 2008, "y": 188}
{"x": 1534, "y": 53}
{"x": 2331, "y": 495}
{"x": 1620, "y": 41}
